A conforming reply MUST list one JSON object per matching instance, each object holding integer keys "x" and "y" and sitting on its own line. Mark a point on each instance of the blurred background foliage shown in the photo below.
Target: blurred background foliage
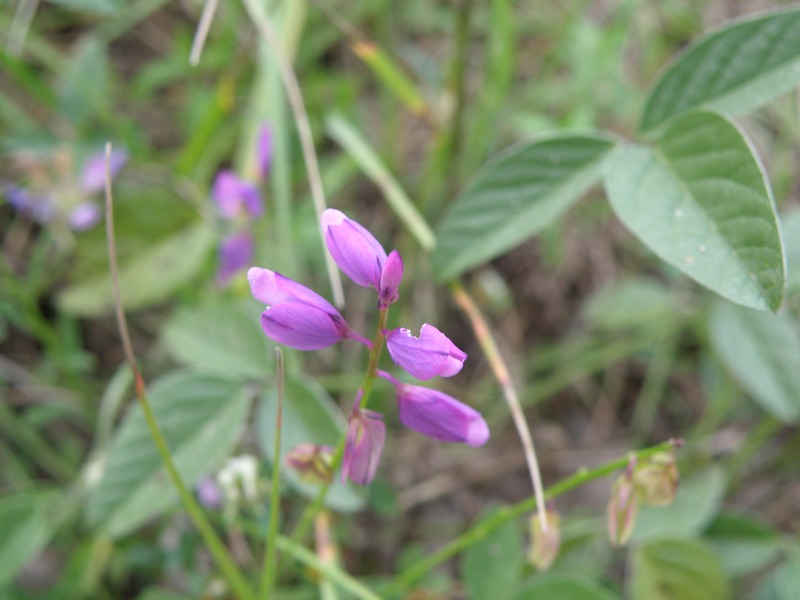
{"x": 612, "y": 349}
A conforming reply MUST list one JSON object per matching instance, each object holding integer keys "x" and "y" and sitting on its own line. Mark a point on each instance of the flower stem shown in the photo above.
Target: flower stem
{"x": 226, "y": 565}
{"x": 506, "y": 514}
{"x": 270, "y": 557}
{"x": 503, "y": 377}
{"x": 303, "y": 527}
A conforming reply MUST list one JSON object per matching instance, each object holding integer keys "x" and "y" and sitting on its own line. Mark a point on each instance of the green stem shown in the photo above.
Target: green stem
{"x": 270, "y": 557}
{"x": 229, "y": 569}
{"x": 506, "y": 514}
{"x": 303, "y": 527}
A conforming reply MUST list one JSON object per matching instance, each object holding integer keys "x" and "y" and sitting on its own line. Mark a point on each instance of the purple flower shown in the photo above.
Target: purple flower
{"x": 84, "y": 216}
{"x": 364, "y": 444}
{"x": 235, "y": 196}
{"x": 391, "y": 275}
{"x": 297, "y": 316}
{"x": 361, "y": 256}
{"x": 93, "y": 176}
{"x": 235, "y": 253}
{"x": 437, "y": 415}
{"x": 38, "y": 207}
{"x": 208, "y": 493}
{"x": 264, "y": 151}
{"x": 429, "y": 355}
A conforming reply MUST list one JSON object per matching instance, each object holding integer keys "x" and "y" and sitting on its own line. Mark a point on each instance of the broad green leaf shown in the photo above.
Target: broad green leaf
{"x": 516, "y": 196}
{"x": 734, "y": 70}
{"x": 25, "y": 528}
{"x": 762, "y": 351}
{"x": 564, "y": 586}
{"x": 696, "y": 504}
{"x": 222, "y": 338}
{"x": 677, "y": 569}
{"x": 86, "y": 82}
{"x": 201, "y": 417}
{"x": 104, "y": 7}
{"x": 700, "y": 201}
{"x": 629, "y": 304}
{"x": 790, "y": 225}
{"x": 491, "y": 568}
{"x": 152, "y": 276}
{"x": 742, "y": 544}
{"x": 309, "y": 416}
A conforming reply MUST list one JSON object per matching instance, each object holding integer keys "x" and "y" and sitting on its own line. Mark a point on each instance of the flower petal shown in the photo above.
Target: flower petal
{"x": 302, "y": 326}
{"x": 429, "y": 355}
{"x": 366, "y": 434}
{"x": 442, "y": 417}
{"x": 391, "y": 275}
{"x": 272, "y": 288}
{"x": 235, "y": 253}
{"x": 234, "y": 196}
{"x": 93, "y": 176}
{"x": 358, "y": 254}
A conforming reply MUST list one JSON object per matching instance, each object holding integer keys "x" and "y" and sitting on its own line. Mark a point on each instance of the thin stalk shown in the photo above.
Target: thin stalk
{"x": 503, "y": 377}
{"x": 270, "y": 556}
{"x": 203, "y": 27}
{"x": 228, "y": 568}
{"x": 297, "y": 104}
{"x": 506, "y": 514}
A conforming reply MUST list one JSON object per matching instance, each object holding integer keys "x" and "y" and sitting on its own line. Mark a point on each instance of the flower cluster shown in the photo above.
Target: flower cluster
{"x": 300, "y": 318}
{"x": 238, "y": 202}
{"x": 56, "y": 195}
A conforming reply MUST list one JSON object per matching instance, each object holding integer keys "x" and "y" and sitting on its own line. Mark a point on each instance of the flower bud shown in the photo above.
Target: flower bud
{"x": 311, "y": 462}
{"x": 363, "y": 446}
{"x": 545, "y": 543}
{"x": 656, "y": 479}
{"x": 623, "y": 506}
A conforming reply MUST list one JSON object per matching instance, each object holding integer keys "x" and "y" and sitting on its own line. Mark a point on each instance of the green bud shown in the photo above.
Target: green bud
{"x": 657, "y": 479}
{"x": 545, "y": 543}
{"x": 312, "y": 463}
{"x": 623, "y": 507}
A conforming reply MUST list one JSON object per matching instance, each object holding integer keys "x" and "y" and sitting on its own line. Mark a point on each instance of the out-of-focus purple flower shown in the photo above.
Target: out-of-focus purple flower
{"x": 235, "y": 253}
{"x": 429, "y": 355}
{"x": 297, "y": 316}
{"x": 208, "y": 493}
{"x": 391, "y": 275}
{"x": 366, "y": 434}
{"x": 264, "y": 151}
{"x": 84, "y": 216}
{"x": 235, "y": 196}
{"x": 38, "y": 207}
{"x": 311, "y": 462}
{"x": 357, "y": 252}
{"x": 93, "y": 176}
{"x": 437, "y": 415}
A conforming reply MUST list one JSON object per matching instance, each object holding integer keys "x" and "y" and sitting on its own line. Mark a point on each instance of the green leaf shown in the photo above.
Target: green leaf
{"x": 492, "y": 567}
{"x": 696, "y": 504}
{"x": 221, "y": 338}
{"x": 733, "y": 70}
{"x": 790, "y": 226}
{"x": 86, "y": 82}
{"x": 516, "y": 196}
{"x": 309, "y": 416}
{"x": 762, "y": 352}
{"x": 564, "y": 586}
{"x": 150, "y": 277}
{"x": 629, "y": 303}
{"x": 701, "y": 202}
{"x": 201, "y": 417}
{"x": 677, "y": 569}
{"x": 103, "y": 7}
{"x": 743, "y": 545}
{"x": 26, "y": 528}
